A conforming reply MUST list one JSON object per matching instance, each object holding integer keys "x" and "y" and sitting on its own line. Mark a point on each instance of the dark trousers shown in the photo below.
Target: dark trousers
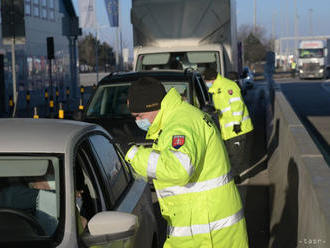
{"x": 238, "y": 149}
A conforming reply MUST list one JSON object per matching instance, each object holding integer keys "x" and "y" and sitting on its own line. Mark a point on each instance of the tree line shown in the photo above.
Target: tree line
{"x": 87, "y": 46}
{"x": 256, "y": 44}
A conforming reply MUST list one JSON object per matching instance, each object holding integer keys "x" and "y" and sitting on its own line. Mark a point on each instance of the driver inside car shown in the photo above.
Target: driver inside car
{"x": 35, "y": 196}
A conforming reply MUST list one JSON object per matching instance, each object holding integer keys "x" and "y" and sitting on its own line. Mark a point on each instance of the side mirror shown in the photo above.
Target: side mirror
{"x": 109, "y": 227}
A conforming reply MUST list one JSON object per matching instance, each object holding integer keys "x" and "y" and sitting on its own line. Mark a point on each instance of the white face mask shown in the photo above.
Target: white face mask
{"x": 209, "y": 84}
{"x": 143, "y": 124}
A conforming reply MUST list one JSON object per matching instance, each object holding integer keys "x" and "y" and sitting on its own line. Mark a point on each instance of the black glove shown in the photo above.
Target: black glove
{"x": 141, "y": 142}
{"x": 237, "y": 128}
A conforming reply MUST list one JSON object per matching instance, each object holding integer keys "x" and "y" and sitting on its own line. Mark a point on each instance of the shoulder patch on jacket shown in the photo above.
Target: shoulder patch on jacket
{"x": 178, "y": 141}
{"x": 230, "y": 92}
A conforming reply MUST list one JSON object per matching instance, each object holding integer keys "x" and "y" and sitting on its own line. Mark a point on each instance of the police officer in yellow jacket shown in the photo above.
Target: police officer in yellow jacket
{"x": 234, "y": 119}
{"x": 189, "y": 167}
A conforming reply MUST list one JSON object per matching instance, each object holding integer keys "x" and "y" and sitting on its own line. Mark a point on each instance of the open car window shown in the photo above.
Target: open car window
{"x": 30, "y": 202}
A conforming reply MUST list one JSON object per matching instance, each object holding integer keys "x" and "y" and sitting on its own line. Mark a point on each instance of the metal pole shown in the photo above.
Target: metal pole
{"x": 13, "y": 65}
{"x": 295, "y": 29}
{"x": 117, "y": 48}
{"x": 255, "y": 17}
{"x": 50, "y": 78}
{"x": 118, "y": 39}
{"x": 273, "y": 25}
{"x": 96, "y": 54}
{"x": 310, "y": 22}
{"x": 121, "y": 49}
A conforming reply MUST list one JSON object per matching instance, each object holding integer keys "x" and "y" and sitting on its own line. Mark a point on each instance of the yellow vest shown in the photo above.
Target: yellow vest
{"x": 231, "y": 108}
{"x": 191, "y": 174}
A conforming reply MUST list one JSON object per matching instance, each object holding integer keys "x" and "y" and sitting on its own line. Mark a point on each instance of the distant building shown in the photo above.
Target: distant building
{"x": 43, "y": 18}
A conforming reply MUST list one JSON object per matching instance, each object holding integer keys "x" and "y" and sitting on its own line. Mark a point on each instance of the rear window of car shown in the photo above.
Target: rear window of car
{"x": 111, "y": 100}
{"x": 30, "y": 197}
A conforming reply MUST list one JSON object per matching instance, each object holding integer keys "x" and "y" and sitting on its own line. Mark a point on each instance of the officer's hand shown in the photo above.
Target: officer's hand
{"x": 237, "y": 128}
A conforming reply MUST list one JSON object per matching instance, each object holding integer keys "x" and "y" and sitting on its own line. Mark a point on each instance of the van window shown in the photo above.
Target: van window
{"x": 199, "y": 60}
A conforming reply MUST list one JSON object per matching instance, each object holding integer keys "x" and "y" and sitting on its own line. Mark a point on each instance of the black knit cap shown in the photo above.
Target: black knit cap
{"x": 145, "y": 95}
{"x": 210, "y": 74}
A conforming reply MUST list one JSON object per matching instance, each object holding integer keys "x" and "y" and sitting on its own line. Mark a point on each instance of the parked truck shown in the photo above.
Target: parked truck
{"x": 180, "y": 34}
{"x": 314, "y": 60}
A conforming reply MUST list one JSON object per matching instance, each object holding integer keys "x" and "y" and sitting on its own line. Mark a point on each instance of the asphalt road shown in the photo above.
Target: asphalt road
{"x": 311, "y": 101}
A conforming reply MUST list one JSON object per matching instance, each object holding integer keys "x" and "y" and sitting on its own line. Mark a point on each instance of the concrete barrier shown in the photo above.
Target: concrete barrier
{"x": 300, "y": 178}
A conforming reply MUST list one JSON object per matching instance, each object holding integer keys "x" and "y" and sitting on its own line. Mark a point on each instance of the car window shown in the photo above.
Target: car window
{"x": 31, "y": 186}
{"x": 181, "y": 87}
{"x": 116, "y": 175}
{"x": 87, "y": 186}
{"x": 179, "y": 61}
{"x": 111, "y": 100}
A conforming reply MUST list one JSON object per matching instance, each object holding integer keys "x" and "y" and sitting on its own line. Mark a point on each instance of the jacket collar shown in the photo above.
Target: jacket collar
{"x": 216, "y": 84}
{"x": 171, "y": 100}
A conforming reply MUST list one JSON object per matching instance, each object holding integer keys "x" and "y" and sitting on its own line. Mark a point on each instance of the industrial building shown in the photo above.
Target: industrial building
{"x": 42, "y": 19}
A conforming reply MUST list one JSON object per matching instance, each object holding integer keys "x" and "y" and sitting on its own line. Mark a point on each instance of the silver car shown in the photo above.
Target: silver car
{"x": 64, "y": 184}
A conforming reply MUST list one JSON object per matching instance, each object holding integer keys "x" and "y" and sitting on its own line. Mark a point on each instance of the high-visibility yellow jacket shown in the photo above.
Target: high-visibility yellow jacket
{"x": 231, "y": 108}
{"x": 191, "y": 174}
{"x": 293, "y": 65}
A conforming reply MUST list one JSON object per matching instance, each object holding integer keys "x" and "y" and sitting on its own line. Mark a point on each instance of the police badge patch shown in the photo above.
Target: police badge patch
{"x": 178, "y": 141}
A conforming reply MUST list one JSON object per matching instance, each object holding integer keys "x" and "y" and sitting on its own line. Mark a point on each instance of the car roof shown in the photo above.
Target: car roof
{"x": 132, "y": 76}
{"x": 40, "y": 135}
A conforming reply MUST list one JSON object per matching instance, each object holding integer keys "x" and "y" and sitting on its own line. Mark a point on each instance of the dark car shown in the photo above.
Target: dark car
{"x": 108, "y": 106}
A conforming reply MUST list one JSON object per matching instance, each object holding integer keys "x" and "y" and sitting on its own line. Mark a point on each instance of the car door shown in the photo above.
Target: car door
{"x": 94, "y": 197}
{"x": 126, "y": 194}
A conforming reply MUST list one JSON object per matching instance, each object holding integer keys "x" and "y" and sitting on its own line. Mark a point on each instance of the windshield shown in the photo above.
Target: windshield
{"x": 311, "y": 53}
{"x": 29, "y": 197}
{"x": 178, "y": 61}
{"x": 111, "y": 100}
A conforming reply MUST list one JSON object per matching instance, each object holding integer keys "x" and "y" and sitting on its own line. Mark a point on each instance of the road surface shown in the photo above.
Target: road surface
{"x": 311, "y": 101}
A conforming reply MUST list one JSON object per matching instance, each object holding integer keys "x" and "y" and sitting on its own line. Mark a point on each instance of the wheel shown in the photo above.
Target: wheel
{"x": 29, "y": 219}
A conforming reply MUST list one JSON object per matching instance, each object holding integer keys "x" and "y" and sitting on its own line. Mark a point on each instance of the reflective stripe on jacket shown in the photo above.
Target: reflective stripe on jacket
{"x": 191, "y": 173}
{"x": 231, "y": 108}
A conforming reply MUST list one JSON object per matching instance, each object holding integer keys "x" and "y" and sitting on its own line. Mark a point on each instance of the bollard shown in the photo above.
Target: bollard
{"x": 35, "y": 113}
{"x": 61, "y": 112}
{"x": 46, "y": 94}
{"x": 11, "y": 102}
{"x": 57, "y": 93}
{"x": 67, "y": 92}
{"x": 11, "y": 105}
{"x": 81, "y": 106}
{"x": 51, "y": 104}
{"x": 28, "y": 97}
